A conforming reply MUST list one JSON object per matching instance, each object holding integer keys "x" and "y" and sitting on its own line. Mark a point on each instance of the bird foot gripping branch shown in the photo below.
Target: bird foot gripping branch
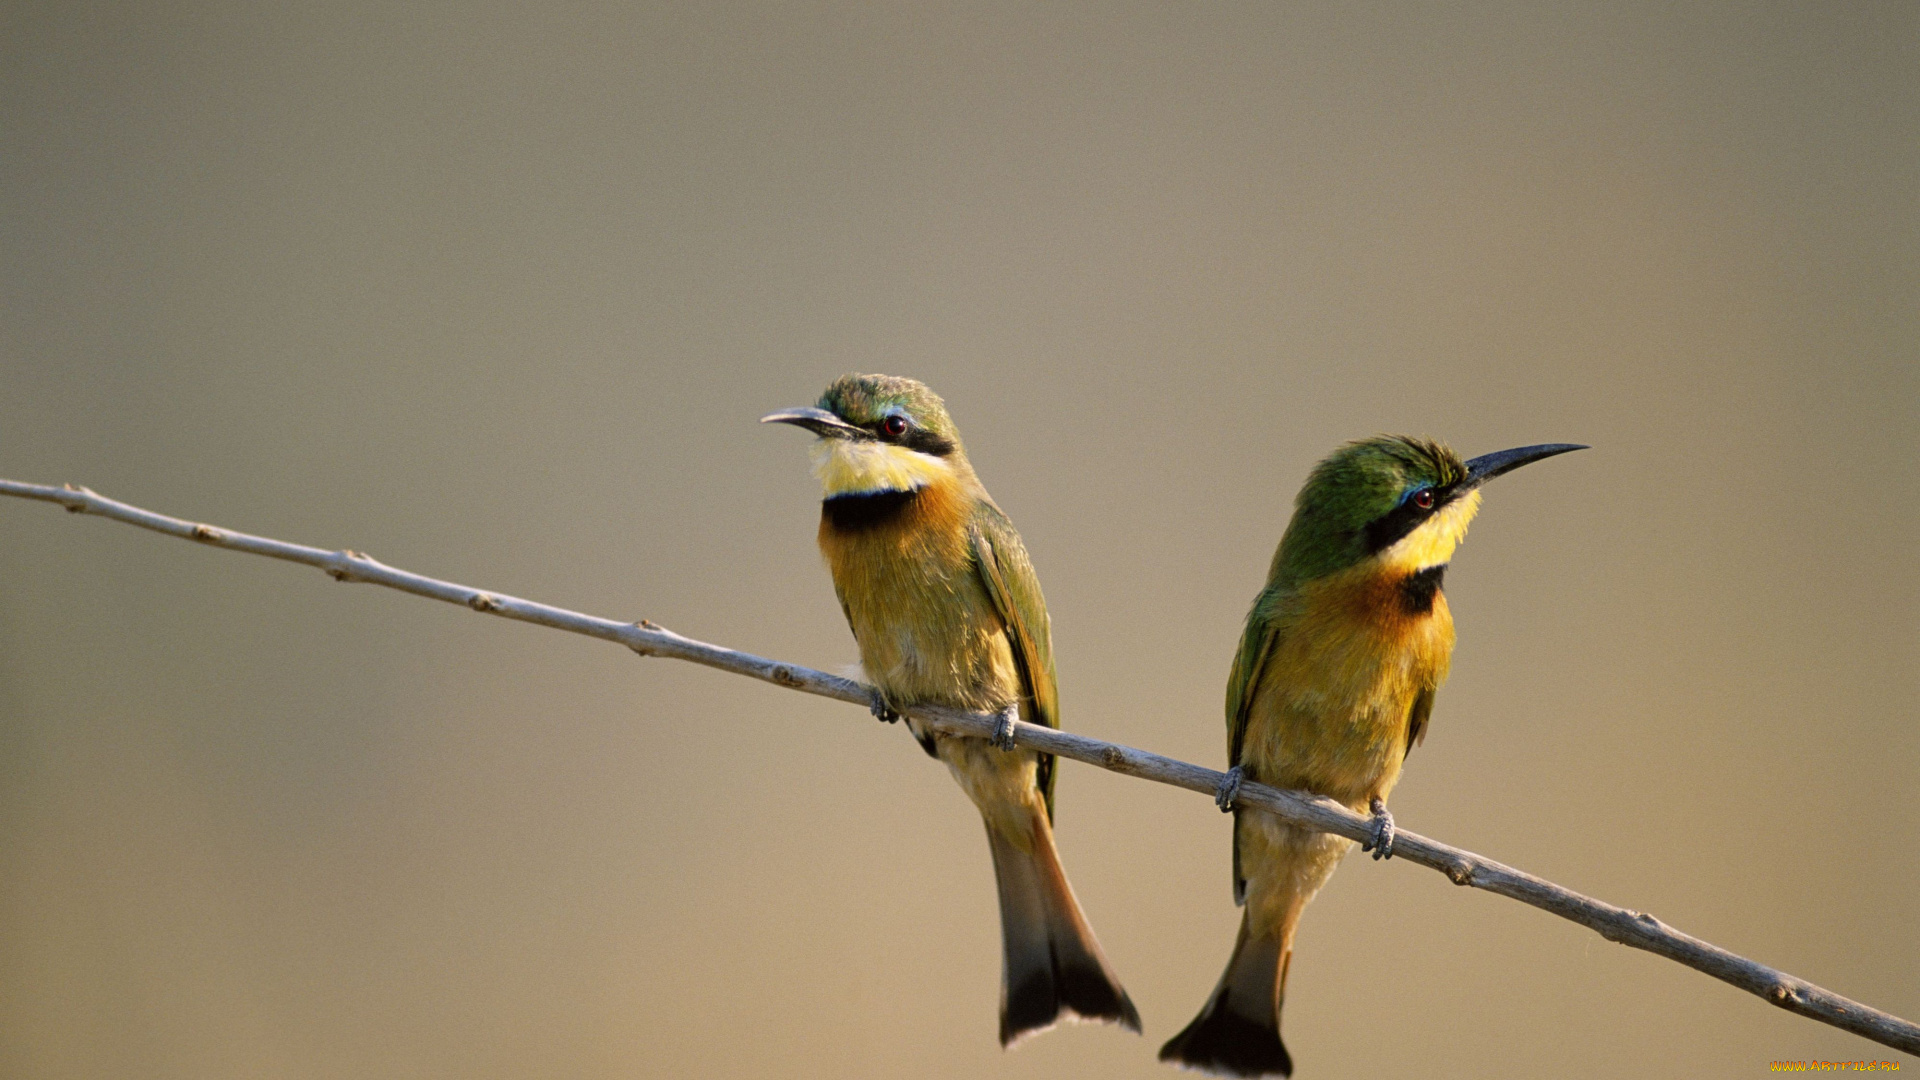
{"x": 1380, "y": 842}
{"x": 1229, "y": 789}
{"x": 1003, "y": 726}
{"x": 881, "y": 711}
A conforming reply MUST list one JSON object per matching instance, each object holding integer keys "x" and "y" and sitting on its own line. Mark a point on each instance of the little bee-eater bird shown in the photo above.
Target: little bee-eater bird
{"x": 1332, "y": 687}
{"x": 946, "y": 610}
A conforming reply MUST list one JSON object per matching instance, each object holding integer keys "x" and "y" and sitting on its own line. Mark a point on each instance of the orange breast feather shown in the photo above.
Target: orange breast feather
{"x": 1330, "y": 714}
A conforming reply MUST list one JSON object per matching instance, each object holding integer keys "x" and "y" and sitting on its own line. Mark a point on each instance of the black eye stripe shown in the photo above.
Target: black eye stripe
{"x": 927, "y": 442}
{"x": 911, "y": 435}
{"x": 1389, "y": 528}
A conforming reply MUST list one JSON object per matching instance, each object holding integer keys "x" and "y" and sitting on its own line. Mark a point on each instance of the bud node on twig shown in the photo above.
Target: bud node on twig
{"x": 784, "y": 675}
{"x": 482, "y": 602}
{"x": 208, "y": 534}
{"x": 639, "y": 647}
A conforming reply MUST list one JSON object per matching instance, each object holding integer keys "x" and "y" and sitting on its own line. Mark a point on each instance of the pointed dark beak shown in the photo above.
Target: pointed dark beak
{"x": 1487, "y": 466}
{"x": 819, "y": 421}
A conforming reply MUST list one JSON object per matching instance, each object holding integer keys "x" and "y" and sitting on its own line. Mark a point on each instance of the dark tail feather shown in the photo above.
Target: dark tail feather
{"x": 1053, "y": 964}
{"x": 1238, "y": 1032}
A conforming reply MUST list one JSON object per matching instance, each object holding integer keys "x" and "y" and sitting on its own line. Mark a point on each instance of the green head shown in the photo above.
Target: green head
{"x": 880, "y": 433}
{"x": 1396, "y": 500}
{"x": 879, "y": 408}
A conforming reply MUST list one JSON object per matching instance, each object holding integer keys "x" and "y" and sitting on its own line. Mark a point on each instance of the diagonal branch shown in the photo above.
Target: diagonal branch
{"x": 1638, "y": 929}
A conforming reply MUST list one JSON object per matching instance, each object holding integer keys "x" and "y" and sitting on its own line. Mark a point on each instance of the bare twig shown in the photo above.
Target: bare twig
{"x": 1638, "y": 929}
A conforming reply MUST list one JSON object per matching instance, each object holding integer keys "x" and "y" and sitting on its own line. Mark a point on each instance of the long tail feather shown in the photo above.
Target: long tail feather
{"x": 1238, "y": 1031}
{"x": 1053, "y": 964}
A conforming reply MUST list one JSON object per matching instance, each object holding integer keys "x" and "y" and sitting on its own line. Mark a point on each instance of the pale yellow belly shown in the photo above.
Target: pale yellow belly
{"x": 928, "y": 634}
{"x": 1285, "y": 866}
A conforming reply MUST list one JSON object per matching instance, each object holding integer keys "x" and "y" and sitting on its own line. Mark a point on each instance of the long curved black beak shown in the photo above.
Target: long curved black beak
{"x": 819, "y": 421}
{"x": 1487, "y": 466}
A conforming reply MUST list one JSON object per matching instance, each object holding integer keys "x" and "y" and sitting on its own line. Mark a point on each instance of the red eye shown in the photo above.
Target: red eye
{"x": 1423, "y": 499}
{"x": 895, "y": 425}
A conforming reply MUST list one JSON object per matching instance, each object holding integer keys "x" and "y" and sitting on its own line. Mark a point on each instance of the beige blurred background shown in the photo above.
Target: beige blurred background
{"x": 497, "y": 295}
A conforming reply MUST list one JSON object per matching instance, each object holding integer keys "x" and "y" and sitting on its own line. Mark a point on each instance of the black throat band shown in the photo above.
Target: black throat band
{"x": 1417, "y": 590}
{"x": 866, "y": 510}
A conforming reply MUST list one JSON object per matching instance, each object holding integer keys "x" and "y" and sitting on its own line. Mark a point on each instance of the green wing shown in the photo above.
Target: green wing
{"x": 1417, "y": 720}
{"x": 1008, "y": 575}
{"x": 1256, "y": 645}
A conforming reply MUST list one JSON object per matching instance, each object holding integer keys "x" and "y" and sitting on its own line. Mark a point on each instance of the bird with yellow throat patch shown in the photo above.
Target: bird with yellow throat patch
{"x": 946, "y": 610}
{"x": 1332, "y": 687}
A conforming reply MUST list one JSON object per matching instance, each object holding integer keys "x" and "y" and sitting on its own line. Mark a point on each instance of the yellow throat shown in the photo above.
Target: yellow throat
{"x": 847, "y": 467}
{"x": 1432, "y": 544}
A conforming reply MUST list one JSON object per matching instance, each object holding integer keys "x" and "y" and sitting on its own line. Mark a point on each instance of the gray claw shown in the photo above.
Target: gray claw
{"x": 1381, "y": 841}
{"x": 877, "y": 705}
{"x": 1003, "y": 731}
{"x": 1229, "y": 789}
